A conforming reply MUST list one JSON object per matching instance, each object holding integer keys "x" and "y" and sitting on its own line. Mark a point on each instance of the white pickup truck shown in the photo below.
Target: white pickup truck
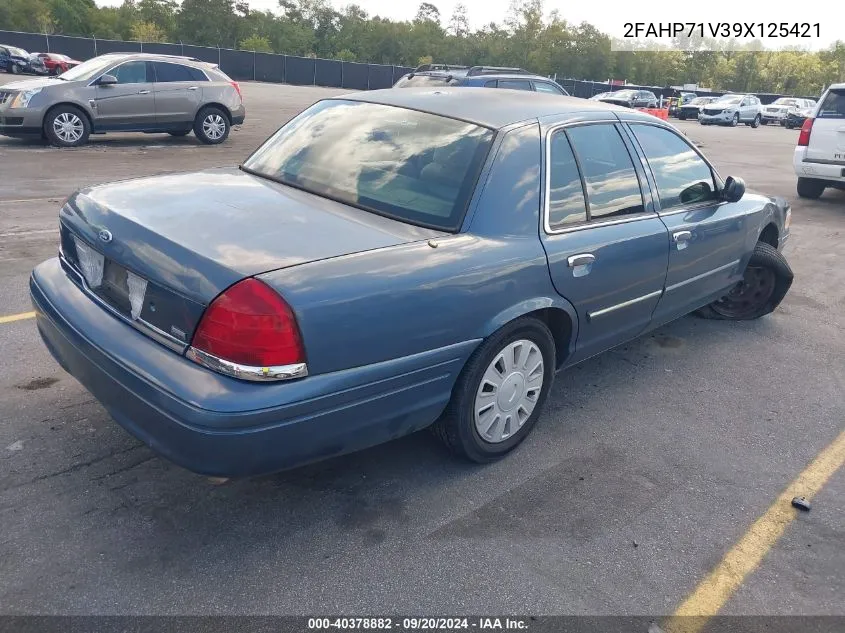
{"x": 819, "y": 158}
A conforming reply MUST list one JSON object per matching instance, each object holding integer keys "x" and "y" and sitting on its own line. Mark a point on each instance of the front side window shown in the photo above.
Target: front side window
{"x": 413, "y": 166}
{"x": 567, "y": 204}
{"x": 131, "y": 73}
{"x": 682, "y": 176}
{"x": 611, "y": 182}
{"x": 514, "y": 84}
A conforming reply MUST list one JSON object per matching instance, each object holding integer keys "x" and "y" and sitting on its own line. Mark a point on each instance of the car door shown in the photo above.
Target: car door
{"x": 747, "y": 109}
{"x": 129, "y": 104}
{"x": 707, "y": 236}
{"x": 827, "y": 136}
{"x": 178, "y": 92}
{"x": 607, "y": 250}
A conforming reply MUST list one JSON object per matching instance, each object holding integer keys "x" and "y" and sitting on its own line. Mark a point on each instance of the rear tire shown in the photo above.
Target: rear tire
{"x": 480, "y": 422}
{"x": 756, "y": 122}
{"x": 810, "y": 188}
{"x": 766, "y": 280}
{"x": 212, "y": 125}
{"x": 682, "y": 116}
{"x": 179, "y": 133}
{"x": 67, "y": 126}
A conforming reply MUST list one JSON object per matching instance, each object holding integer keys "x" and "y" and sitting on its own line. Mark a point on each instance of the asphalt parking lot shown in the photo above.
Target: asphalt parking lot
{"x": 651, "y": 462}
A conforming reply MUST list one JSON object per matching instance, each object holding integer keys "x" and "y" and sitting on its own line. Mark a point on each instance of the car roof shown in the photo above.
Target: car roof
{"x": 161, "y": 58}
{"x": 498, "y": 109}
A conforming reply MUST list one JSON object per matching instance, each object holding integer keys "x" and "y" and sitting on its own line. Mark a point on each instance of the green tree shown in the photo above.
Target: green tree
{"x": 257, "y": 43}
{"x": 147, "y": 32}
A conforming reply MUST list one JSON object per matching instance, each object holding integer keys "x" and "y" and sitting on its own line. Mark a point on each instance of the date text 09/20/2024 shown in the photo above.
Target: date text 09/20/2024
{"x": 418, "y": 623}
{"x": 761, "y": 30}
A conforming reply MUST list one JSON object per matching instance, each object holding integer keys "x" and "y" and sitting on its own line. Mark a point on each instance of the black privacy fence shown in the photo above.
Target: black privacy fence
{"x": 239, "y": 65}
{"x": 289, "y": 69}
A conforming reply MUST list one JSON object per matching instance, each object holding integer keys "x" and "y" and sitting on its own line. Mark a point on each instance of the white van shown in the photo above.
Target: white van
{"x": 819, "y": 158}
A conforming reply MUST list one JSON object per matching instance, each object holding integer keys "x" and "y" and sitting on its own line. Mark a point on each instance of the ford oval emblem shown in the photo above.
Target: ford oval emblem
{"x": 105, "y": 235}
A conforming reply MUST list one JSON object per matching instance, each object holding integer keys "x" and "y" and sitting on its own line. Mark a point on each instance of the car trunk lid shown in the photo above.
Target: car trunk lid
{"x": 188, "y": 237}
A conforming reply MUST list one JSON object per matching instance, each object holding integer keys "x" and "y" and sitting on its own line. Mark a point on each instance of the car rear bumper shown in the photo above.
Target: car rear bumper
{"x": 829, "y": 172}
{"x": 216, "y": 425}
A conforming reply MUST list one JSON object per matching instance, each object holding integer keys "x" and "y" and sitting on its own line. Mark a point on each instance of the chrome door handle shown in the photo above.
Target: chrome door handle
{"x": 193, "y": 88}
{"x": 580, "y": 260}
{"x": 682, "y": 236}
{"x": 143, "y": 92}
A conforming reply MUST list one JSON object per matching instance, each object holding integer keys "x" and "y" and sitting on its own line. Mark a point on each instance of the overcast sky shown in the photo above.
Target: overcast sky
{"x": 609, "y": 16}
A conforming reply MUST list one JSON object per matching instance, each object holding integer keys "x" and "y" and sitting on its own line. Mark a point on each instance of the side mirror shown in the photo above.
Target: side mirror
{"x": 733, "y": 190}
{"x": 107, "y": 80}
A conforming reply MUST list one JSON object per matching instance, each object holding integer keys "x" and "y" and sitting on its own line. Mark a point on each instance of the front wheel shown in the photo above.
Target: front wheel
{"x": 500, "y": 393}
{"x": 212, "y": 125}
{"x": 756, "y": 122}
{"x": 735, "y": 120}
{"x": 15, "y": 69}
{"x": 67, "y": 126}
{"x": 764, "y": 284}
{"x": 179, "y": 133}
{"x": 682, "y": 116}
{"x": 810, "y": 188}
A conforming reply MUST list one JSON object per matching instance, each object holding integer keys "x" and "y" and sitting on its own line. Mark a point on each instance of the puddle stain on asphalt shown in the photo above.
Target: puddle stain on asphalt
{"x": 38, "y": 383}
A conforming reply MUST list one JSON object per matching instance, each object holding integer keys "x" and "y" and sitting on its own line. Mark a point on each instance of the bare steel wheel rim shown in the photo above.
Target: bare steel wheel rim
{"x": 214, "y": 126}
{"x": 748, "y": 296}
{"x": 68, "y": 127}
{"x": 509, "y": 390}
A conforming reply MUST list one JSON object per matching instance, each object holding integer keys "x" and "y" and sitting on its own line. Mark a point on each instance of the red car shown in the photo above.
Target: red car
{"x": 57, "y": 64}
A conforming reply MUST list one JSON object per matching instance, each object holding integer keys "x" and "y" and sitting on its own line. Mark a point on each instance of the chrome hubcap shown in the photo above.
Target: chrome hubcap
{"x": 509, "y": 391}
{"x": 214, "y": 126}
{"x": 68, "y": 127}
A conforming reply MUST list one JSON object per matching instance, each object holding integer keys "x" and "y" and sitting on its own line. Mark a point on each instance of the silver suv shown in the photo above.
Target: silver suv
{"x": 126, "y": 92}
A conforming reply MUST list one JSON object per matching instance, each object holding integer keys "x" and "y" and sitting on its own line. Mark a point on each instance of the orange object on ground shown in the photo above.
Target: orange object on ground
{"x": 660, "y": 113}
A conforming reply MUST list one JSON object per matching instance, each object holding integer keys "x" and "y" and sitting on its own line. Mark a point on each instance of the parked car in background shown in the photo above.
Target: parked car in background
{"x": 35, "y": 65}
{"x": 13, "y": 59}
{"x": 731, "y": 110}
{"x": 676, "y": 103}
{"x": 432, "y": 75}
{"x": 691, "y": 110}
{"x": 632, "y": 98}
{"x": 358, "y": 279}
{"x": 819, "y": 158}
{"x": 795, "y": 118}
{"x": 776, "y": 112}
{"x": 127, "y": 92}
{"x": 57, "y": 64}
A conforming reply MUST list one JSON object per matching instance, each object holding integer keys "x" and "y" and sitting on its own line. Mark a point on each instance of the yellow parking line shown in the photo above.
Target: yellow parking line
{"x": 17, "y": 317}
{"x": 744, "y": 557}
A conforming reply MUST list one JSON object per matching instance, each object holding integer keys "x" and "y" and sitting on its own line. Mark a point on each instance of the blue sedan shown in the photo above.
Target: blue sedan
{"x": 390, "y": 261}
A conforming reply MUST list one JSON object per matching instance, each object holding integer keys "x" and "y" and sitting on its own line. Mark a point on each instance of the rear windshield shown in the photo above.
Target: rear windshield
{"x": 786, "y": 102}
{"x": 833, "y": 106}
{"x": 413, "y": 166}
{"x": 700, "y": 101}
{"x": 421, "y": 81}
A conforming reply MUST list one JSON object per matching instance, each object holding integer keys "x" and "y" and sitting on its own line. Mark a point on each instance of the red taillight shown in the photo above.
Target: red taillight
{"x": 249, "y": 324}
{"x": 804, "y": 136}
{"x": 237, "y": 87}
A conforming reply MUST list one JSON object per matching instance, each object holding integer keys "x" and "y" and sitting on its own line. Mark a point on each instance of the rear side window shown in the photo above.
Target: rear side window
{"x": 833, "y": 106}
{"x": 567, "y": 204}
{"x": 682, "y": 176}
{"x": 166, "y": 73}
{"x": 514, "y": 84}
{"x": 613, "y": 188}
{"x": 542, "y": 86}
